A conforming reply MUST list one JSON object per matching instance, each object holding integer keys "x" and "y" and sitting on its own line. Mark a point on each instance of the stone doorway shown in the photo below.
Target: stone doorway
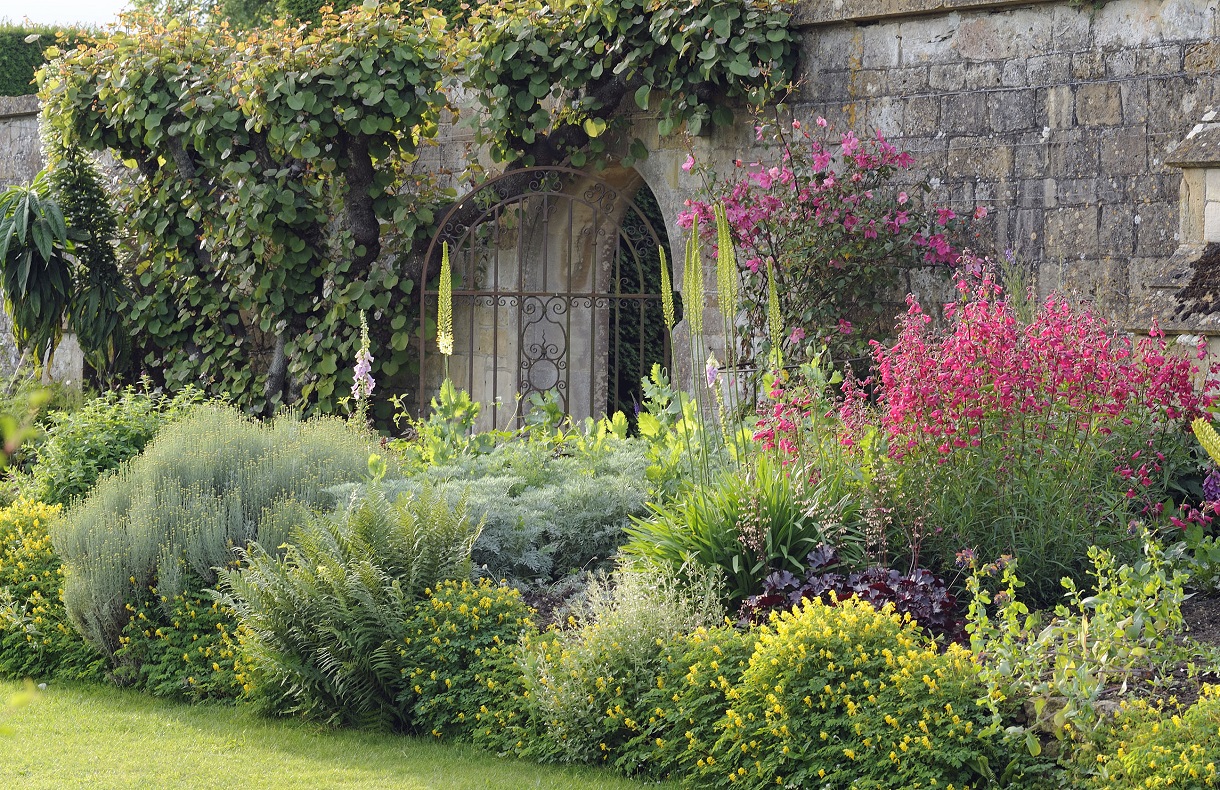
{"x": 556, "y": 278}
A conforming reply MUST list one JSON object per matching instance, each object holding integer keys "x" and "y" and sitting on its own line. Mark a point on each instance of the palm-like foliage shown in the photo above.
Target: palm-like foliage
{"x": 35, "y": 271}
{"x": 324, "y": 624}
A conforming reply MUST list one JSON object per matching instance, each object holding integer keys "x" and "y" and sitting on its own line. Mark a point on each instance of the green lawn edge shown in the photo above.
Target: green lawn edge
{"x": 101, "y": 737}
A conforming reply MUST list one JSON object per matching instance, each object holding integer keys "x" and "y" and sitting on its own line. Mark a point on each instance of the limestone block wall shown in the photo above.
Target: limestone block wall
{"x": 20, "y": 154}
{"x": 1057, "y": 118}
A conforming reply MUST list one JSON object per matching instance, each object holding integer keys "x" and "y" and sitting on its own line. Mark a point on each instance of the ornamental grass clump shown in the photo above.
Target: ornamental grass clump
{"x": 1035, "y": 439}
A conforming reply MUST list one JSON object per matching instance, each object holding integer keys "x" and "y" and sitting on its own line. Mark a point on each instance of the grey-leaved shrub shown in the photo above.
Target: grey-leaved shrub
{"x": 83, "y": 445}
{"x": 203, "y": 487}
{"x": 545, "y": 514}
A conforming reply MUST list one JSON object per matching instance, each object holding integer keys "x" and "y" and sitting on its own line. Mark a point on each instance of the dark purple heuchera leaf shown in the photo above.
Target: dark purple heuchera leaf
{"x": 921, "y": 594}
{"x": 821, "y": 557}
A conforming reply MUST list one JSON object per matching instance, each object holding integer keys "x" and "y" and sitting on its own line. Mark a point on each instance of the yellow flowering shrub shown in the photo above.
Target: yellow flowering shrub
{"x": 845, "y": 696}
{"x": 36, "y": 638}
{"x": 459, "y": 655}
{"x": 185, "y": 647}
{"x": 675, "y": 720}
{"x": 1152, "y": 747}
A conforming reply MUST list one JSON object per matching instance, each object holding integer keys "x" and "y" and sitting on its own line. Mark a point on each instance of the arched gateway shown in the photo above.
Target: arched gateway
{"x": 556, "y": 277}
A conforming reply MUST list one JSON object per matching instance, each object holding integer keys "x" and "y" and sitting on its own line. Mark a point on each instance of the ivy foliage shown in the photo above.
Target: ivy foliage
{"x": 565, "y": 66}
{"x": 261, "y": 170}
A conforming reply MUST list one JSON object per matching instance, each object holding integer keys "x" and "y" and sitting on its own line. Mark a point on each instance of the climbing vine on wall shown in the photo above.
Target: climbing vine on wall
{"x": 261, "y": 171}
{"x": 550, "y": 75}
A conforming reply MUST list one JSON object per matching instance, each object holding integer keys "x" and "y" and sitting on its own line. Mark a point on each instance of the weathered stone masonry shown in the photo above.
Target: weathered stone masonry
{"x": 1057, "y": 118}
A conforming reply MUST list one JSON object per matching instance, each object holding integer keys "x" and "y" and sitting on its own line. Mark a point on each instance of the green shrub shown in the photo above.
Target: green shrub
{"x": 36, "y": 639}
{"x": 83, "y": 445}
{"x": 750, "y": 524}
{"x": 1124, "y": 625}
{"x": 1153, "y": 748}
{"x": 846, "y": 696}
{"x": 674, "y": 722}
{"x": 581, "y": 684}
{"x": 324, "y": 626}
{"x": 545, "y": 513}
{"x": 189, "y": 652}
{"x": 460, "y": 655}
{"x": 207, "y": 484}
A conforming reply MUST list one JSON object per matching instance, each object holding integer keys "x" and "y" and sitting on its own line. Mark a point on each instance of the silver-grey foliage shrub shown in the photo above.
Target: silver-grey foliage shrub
{"x": 545, "y": 513}
{"x": 200, "y": 489}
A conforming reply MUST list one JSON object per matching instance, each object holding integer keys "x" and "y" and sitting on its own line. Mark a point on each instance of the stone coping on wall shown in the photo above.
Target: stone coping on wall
{"x": 14, "y": 106}
{"x": 810, "y": 13}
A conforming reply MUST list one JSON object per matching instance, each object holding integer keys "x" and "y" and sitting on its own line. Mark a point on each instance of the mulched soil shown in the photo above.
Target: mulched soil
{"x": 1202, "y": 616}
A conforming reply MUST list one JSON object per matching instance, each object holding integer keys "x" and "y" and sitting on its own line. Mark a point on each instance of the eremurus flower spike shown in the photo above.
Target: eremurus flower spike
{"x": 444, "y": 298}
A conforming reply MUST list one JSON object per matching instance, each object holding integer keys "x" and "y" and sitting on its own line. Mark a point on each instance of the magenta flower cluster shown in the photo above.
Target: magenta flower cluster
{"x": 1068, "y": 370}
{"x": 839, "y": 198}
{"x": 825, "y": 213}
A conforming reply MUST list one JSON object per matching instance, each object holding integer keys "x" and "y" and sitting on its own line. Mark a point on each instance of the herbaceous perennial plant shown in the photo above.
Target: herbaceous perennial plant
{"x": 1037, "y": 439}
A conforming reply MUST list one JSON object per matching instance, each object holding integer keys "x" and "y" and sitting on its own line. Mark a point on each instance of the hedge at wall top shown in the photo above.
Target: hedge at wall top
{"x": 565, "y": 66}
{"x": 21, "y": 54}
{"x": 261, "y": 171}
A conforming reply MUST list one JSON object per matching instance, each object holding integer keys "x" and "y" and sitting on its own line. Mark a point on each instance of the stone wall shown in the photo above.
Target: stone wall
{"x": 1057, "y": 118}
{"x": 20, "y": 153}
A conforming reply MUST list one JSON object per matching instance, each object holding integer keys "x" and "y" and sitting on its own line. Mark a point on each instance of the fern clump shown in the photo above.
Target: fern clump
{"x": 324, "y": 627}
{"x": 207, "y": 484}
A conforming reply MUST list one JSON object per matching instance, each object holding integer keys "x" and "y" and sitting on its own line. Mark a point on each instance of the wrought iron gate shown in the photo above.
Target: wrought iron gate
{"x": 555, "y": 289}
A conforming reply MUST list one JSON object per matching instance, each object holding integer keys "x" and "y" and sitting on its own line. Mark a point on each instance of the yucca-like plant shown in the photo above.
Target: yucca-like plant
{"x": 324, "y": 623}
{"x": 174, "y": 514}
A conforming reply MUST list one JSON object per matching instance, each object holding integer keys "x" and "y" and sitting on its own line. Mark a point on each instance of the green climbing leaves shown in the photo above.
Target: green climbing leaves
{"x": 590, "y": 55}
{"x": 242, "y": 152}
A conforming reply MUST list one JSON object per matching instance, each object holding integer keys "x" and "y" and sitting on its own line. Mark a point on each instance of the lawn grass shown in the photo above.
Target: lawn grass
{"x": 97, "y": 737}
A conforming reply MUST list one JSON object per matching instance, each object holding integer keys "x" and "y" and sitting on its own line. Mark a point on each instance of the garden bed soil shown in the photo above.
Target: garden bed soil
{"x": 1202, "y": 616}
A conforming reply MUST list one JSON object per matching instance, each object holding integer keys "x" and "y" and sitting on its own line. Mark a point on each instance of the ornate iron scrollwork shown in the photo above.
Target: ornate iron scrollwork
{"x": 550, "y": 268}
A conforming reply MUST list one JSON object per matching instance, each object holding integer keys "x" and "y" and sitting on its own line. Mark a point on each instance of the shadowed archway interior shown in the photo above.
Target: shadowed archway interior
{"x": 556, "y": 289}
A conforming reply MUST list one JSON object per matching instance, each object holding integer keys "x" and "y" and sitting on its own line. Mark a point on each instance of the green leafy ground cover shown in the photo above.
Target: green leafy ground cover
{"x": 89, "y": 736}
